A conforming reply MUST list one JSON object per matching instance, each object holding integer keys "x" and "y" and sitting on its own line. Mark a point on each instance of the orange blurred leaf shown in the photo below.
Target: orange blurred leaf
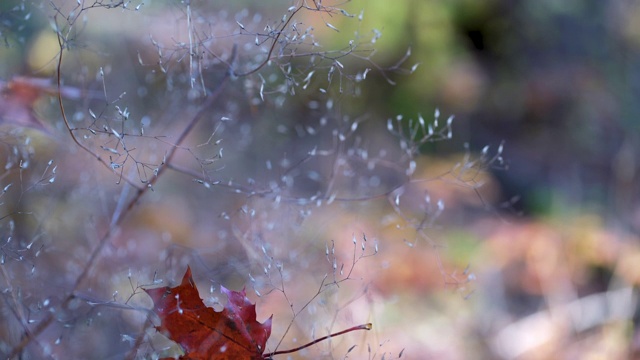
{"x": 19, "y": 95}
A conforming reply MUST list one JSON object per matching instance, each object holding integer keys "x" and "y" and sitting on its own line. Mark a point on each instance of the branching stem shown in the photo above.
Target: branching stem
{"x": 28, "y": 336}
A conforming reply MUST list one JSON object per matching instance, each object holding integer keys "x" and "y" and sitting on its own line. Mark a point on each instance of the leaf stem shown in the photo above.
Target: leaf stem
{"x": 367, "y": 326}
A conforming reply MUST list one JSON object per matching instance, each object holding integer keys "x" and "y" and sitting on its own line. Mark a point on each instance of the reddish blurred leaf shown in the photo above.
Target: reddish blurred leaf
{"x": 16, "y": 102}
{"x": 204, "y": 333}
{"x": 18, "y": 96}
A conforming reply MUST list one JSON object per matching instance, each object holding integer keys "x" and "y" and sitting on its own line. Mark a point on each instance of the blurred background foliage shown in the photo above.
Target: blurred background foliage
{"x": 556, "y": 81}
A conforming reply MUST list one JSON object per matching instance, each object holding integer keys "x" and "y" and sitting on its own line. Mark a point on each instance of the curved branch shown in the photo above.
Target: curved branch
{"x": 28, "y": 336}
{"x": 61, "y": 43}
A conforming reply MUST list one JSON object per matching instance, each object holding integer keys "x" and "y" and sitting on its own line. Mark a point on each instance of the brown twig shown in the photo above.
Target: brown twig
{"x": 359, "y": 327}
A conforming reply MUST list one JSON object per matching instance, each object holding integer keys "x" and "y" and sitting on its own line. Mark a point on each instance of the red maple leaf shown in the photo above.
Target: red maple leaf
{"x": 203, "y": 333}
